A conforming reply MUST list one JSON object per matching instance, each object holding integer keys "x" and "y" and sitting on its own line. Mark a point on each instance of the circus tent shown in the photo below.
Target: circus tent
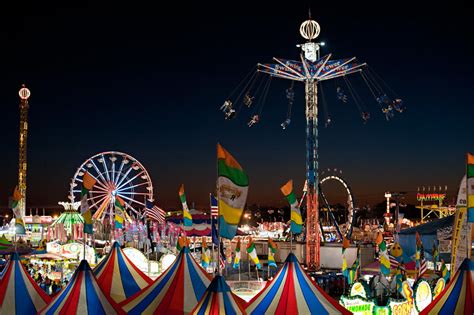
{"x": 118, "y": 277}
{"x": 219, "y": 299}
{"x": 458, "y": 296}
{"x": 176, "y": 291}
{"x": 19, "y": 294}
{"x": 293, "y": 292}
{"x": 82, "y": 296}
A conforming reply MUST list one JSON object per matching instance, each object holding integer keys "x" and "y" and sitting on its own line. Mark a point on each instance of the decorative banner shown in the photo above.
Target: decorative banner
{"x": 440, "y": 284}
{"x": 461, "y": 234}
{"x": 430, "y": 197}
{"x": 400, "y": 307}
{"x": 423, "y": 296}
{"x": 358, "y": 289}
{"x": 357, "y": 305}
{"x": 462, "y": 196}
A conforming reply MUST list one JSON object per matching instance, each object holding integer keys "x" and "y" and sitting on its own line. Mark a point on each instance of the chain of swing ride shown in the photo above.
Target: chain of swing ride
{"x": 252, "y": 92}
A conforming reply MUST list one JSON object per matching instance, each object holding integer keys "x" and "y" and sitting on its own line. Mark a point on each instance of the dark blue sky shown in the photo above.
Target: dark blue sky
{"x": 149, "y": 82}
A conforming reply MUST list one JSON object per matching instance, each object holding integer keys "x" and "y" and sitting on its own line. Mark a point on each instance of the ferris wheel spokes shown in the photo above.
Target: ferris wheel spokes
{"x": 135, "y": 186}
{"x": 113, "y": 159}
{"x": 130, "y": 180}
{"x": 119, "y": 182}
{"x": 99, "y": 172}
{"x": 102, "y": 160}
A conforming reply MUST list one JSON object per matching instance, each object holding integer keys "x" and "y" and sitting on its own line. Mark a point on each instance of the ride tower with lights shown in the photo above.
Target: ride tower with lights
{"x": 311, "y": 70}
{"x": 24, "y": 94}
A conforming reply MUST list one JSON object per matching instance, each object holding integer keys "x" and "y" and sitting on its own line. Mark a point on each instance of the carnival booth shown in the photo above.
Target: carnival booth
{"x": 19, "y": 294}
{"x": 82, "y": 296}
{"x": 219, "y": 299}
{"x": 293, "y": 292}
{"x": 178, "y": 289}
{"x": 118, "y": 276}
{"x": 458, "y": 296}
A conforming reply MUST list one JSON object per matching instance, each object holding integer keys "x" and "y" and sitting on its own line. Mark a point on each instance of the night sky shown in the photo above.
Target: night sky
{"x": 149, "y": 82}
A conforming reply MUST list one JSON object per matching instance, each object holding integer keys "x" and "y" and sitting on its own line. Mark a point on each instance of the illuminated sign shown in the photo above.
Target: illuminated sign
{"x": 430, "y": 197}
{"x": 358, "y": 289}
{"x": 440, "y": 284}
{"x": 358, "y": 306}
{"x": 400, "y": 307}
{"x": 423, "y": 296}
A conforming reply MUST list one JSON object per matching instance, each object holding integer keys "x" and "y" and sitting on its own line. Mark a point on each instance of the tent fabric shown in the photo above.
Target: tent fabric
{"x": 293, "y": 292}
{"x": 118, "y": 277}
{"x": 82, "y": 296}
{"x": 458, "y": 296}
{"x": 428, "y": 233}
{"x": 219, "y": 299}
{"x": 176, "y": 291}
{"x": 19, "y": 294}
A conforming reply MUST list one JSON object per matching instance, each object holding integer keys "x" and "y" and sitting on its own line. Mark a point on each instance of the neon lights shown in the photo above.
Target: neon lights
{"x": 430, "y": 197}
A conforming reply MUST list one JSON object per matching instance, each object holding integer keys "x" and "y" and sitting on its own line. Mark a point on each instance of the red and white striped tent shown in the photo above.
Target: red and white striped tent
{"x": 293, "y": 292}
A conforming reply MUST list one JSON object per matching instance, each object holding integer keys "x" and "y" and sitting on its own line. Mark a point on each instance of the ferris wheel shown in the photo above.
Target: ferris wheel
{"x": 118, "y": 175}
{"x": 334, "y": 176}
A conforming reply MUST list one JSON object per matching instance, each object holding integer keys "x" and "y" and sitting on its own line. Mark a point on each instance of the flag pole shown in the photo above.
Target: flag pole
{"x": 218, "y": 225}
{"x": 212, "y": 248}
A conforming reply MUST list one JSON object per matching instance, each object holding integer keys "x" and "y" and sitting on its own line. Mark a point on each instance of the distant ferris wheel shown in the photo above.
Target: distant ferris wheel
{"x": 117, "y": 174}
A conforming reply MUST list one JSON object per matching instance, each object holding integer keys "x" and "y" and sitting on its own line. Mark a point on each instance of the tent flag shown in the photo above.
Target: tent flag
{"x": 119, "y": 212}
{"x": 237, "y": 255}
{"x": 296, "y": 219}
{"x": 187, "y": 217}
{"x": 206, "y": 254}
{"x": 272, "y": 247}
{"x": 19, "y": 222}
{"x": 444, "y": 271}
{"x": 252, "y": 252}
{"x": 88, "y": 183}
{"x": 232, "y": 189}
{"x": 384, "y": 260}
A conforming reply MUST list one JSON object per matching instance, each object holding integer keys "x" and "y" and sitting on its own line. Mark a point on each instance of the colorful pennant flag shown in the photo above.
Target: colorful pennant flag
{"x": 206, "y": 254}
{"x": 187, "y": 218}
{"x": 435, "y": 255}
{"x": 354, "y": 271}
{"x": 296, "y": 219}
{"x": 252, "y": 252}
{"x": 444, "y": 271}
{"x": 470, "y": 187}
{"x": 237, "y": 255}
{"x": 272, "y": 247}
{"x": 88, "y": 183}
{"x": 384, "y": 260}
{"x": 232, "y": 189}
{"x": 19, "y": 223}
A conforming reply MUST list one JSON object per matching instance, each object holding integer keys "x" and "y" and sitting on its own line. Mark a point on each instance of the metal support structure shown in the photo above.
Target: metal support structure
{"x": 313, "y": 240}
{"x": 22, "y": 161}
{"x": 311, "y": 69}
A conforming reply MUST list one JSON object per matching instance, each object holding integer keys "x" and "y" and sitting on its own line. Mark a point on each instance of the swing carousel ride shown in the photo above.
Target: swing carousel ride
{"x": 348, "y": 75}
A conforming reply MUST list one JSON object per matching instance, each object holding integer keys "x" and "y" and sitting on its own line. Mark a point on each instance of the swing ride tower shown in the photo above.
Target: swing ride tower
{"x": 311, "y": 69}
{"x": 24, "y": 94}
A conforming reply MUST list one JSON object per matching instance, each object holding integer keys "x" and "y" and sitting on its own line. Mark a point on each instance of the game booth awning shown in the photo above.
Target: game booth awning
{"x": 19, "y": 294}
{"x": 458, "y": 296}
{"x": 293, "y": 292}
{"x": 219, "y": 299}
{"x": 177, "y": 290}
{"x": 118, "y": 277}
{"x": 82, "y": 296}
